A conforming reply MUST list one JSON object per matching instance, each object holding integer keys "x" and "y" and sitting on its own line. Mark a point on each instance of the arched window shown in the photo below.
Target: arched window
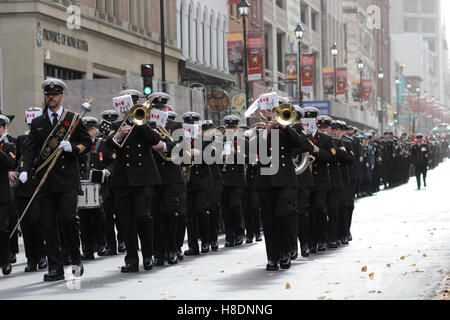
{"x": 204, "y": 37}
{"x": 181, "y": 26}
{"x": 211, "y": 43}
{"x": 224, "y": 49}
{"x": 218, "y": 42}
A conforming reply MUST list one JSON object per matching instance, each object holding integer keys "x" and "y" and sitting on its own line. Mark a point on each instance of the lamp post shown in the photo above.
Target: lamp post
{"x": 163, "y": 47}
{"x": 397, "y": 83}
{"x": 417, "y": 111}
{"x": 361, "y": 69}
{"x": 408, "y": 86}
{"x": 334, "y": 53}
{"x": 243, "y": 8}
{"x": 380, "y": 77}
{"x": 299, "y": 35}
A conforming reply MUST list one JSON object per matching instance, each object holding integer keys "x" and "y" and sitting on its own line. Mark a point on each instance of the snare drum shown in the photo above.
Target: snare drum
{"x": 91, "y": 197}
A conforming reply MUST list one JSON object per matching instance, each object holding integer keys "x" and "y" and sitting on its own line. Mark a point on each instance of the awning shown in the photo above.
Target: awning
{"x": 206, "y": 71}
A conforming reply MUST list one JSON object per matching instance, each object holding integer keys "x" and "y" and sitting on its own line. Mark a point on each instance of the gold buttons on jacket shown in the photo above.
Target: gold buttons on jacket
{"x": 128, "y": 164}
{"x": 282, "y": 156}
{"x": 283, "y": 165}
{"x": 127, "y": 155}
{"x": 139, "y": 145}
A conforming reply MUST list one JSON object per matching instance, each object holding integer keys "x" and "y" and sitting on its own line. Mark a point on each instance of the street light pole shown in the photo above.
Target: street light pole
{"x": 334, "y": 53}
{"x": 361, "y": 69}
{"x": 163, "y": 46}
{"x": 408, "y": 86}
{"x": 381, "y": 76}
{"x": 299, "y": 35}
{"x": 397, "y": 82}
{"x": 243, "y": 8}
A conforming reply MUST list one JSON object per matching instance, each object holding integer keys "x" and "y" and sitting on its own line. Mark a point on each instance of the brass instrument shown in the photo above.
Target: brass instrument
{"x": 138, "y": 115}
{"x": 187, "y": 171}
{"x": 304, "y": 163}
{"x": 285, "y": 114}
{"x": 165, "y": 136}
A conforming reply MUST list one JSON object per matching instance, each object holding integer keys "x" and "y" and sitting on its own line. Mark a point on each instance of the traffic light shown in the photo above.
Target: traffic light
{"x": 147, "y": 75}
{"x": 395, "y": 117}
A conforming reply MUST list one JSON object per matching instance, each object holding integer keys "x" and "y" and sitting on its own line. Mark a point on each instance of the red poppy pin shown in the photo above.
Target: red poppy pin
{"x": 315, "y": 140}
{"x": 93, "y": 148}
{"x": 1, "y": 147}
{"x": 66, "y": 123}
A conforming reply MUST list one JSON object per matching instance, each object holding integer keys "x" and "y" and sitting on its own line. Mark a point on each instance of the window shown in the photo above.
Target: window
{"x": 196, "y": 35}
{"x": 211, "y": 41}
{"x": 189, "y": 31}
{"x": 303, "y": 14}
{"x": 61, "y": 73}
{"x": 411, "y": 25}
{"x": 428, "y": 26}
{"x": 410, "y": 6}
{"x": 204, "y": 39}
{"x": 429, "y": 6}
{"x": 231, "y": 11}
{"x": 217, "y": 42}
{"x": 181, "y": 26}
{"x": 432, "y": 45}
{"x": 314, "y": 20}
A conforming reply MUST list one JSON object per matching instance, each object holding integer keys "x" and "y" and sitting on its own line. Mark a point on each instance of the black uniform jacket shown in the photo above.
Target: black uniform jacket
{"x": 134, "y": 165}
{"x": 320, "y": 167}
{"x": 169, "y": 172}
{"x": 234, "y": 174}
{"x": 24, "y": 189}
{"x": 347, "y": 170}
{"x": 285, "y": 177}
{"x": 65, "y": 175}
{"x": 7, "y": 163}
{"x": 305, "y": 179}
{"x": 420, "y": 154}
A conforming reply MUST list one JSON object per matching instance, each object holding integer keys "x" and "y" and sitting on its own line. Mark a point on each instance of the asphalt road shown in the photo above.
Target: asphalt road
{"x": 400, "y": 251}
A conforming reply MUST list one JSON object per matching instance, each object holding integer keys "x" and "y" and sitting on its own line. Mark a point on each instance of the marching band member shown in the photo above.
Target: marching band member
{"x": 95, "y": 167}
{"x": 167, "y": 199}
{"x": 32, "y": 224}
{"x": 198, "y": 196}
{"x": 7, "y": 163}
{"x": 278, "y": 192}
{"x": 322, "y": 184}
{"x": 420, "y": 153}
{"x": 133, "y": 181}
{"x": 233, "y": 185}
{"x": 58, "y": 197}
{"x": 114, "y": 243}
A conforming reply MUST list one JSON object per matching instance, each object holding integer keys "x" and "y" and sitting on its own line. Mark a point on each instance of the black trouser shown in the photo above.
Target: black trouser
{"x": 166, "y": 212}
{"x": 181, "y": 225}
{"x": 197, "y": 218}
{"x": 252, "y": 215}
{"x": 421, "y": 170}
{"x": 32, "y": 227}
{"x": 333, "y": 214}
{"x": 318, "y": 217}
{"x": 111, "y": 223}
{"x": 92, "y": 227}
{"x": 277, "y": 208}
{"x": 13, "y": 219}
{"x": 135, "y": 218}
{"x": 303, "y": 220}
{"x": 231, "y": 204}
{"x": 4, "y": 234}
{"x": 62, "y": 206}
{"x": 214, "y": 210}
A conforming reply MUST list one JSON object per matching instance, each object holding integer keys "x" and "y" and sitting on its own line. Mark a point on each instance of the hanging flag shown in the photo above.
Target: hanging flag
{"x": 328, "y": 80}
{"x": 341, "y": 75}
{"x": 255, "y": 44}
{"x": 307, "y": 72}
{"x": 422, "y": 106}
{"x": 235, "y": 43}
{"x": 291, "y": 63}
{"x": 367, "y": 89}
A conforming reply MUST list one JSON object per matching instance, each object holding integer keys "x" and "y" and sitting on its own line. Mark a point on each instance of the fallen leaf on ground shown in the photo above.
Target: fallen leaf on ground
{"x": 288, "y": 286}
{"x": 388, "y": 265}
{"x": 402, "y": 258}
{"x": 321, "y": 298}
{"x": 424, "y": 255}
{"x": 196, "y": 279}
{"x": 120, "y": 279}
{"x": 222, "y": 271}
{"x": 371, "y": 275}
{"x": 364, "y": 269}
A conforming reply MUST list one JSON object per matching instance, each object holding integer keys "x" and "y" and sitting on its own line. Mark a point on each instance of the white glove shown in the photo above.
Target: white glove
{"x": 23, "y": 177}
{"x": 66, "y": 146}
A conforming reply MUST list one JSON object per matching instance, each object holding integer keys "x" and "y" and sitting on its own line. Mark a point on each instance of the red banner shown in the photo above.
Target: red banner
{"x": 291, "y": 64}
{"x": 255, "y": 43}
{"x": 367, "y": 89}
{"x": 429, "y": 110}
{"x": 414, "y": 102}
{"x": 435, "y": 113}
{"x": 328, "y": 80}
{"x": 422, "y": 106}
{"x": 234, "y": 1}
{"x": 341, "y": 75}
{"x": 307, "y": 72}
{"x": 235, "y": 42}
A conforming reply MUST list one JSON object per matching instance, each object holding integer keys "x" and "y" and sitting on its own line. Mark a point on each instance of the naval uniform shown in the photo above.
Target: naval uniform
{"x": 420, "y": 153}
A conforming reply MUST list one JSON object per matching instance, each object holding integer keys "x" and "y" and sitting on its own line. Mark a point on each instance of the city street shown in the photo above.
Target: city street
{"x": 400, "y": 250}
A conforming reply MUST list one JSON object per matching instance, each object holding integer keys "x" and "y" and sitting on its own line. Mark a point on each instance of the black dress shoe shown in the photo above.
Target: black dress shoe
{"x": 214, "y": 246}
{"x": 102, "y": 252}
{"x": 110, "y": 252}
{"x": 313, "y": 248}
{"x": 148, "y": 264}
{"x": 205, "y": 249}
{"x": 229, "y": 244}
{"x": 158, "y": 262}
{"x": 122, "y": 248}
{"x": 6, "y": 269}
{"x": 333, "y": 245}
{"x": 305, "y": 251}
{"x": 285, "y": 263}
{"x": 42, "y": 264}
{"x": 31, "y": 267}
{"x": 180, "y": 255}
{"x": 272, "y": 266}
{"x": 249, "y": 240}
{"x": 78, "y": 269}
{"x": 322, "y": 247}
{"x": 344, "y": 241}
{"x": 293, "y": 254}
{"x": 129, "y": 268}
{"x": 350, "y": 237}
{"x": 258, "y": 238}
{"x": 12, "y": 258}
{"x": 239, "y": 240}
{"x": 87, "y": 256}
{"x": 172, "y": 258}
{"x": 191, "y": 252}
{"x": 54, "y": 275}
